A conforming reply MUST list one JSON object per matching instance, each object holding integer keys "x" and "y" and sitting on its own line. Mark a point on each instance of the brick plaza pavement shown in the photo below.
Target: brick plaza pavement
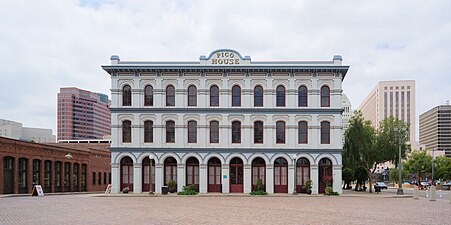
{"x": 279, "y": 209}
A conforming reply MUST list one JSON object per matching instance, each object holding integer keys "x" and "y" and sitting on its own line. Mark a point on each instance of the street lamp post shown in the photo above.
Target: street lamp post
{"x": 150, "y": 174}
{"x": 433, "y": 182}
{"x": 295, "y": 176}
{"x": 400, "y": 134}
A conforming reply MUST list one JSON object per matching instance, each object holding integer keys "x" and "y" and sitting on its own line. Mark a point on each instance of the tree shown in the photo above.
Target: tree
{"x": 442, "y": 168}
{"x": 358, "y": 149}
{"x": 393, "y": 174}
{"x": 419, "y": 162}
{"x": 348, "y": 177}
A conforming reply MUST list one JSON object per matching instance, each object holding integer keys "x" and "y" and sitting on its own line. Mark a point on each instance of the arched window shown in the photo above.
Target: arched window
{"x": 303, "y": 174}
{"x": 325, "y": 132}
{"x": 127, "y": 95}
{"x": 280, "y": 132}
{"x": 258, "y": 132}
{"x": 192, "y": 131}
{"x": 236, "y": 95}
{"x": 192, "y": 95}
{"x": 48, "y": 175}
{"x": 302, "y": 96}
{"x": 214, "y": 132}
{"x": 36, "y": 171}
{"x": 280, "y": 93}
{"x": 126, "y": 131}
{"x": 170, "y": 131}
{"x": 214, "y": 96}
{"x": 148, "y": 131}
{"x": 126, "y": 173}
{"x": 325, "y": 96}
{"x": 170, "y": 170}
{"x": 236, "y": 132}
{"x": 170, "y": 95}
{"x": 192, "y": 172}
{"x": 148, "y": 95}
{"x": 258, "y": 96}
{"x": 258, "y": 173}
{"x": 303, "y": 132}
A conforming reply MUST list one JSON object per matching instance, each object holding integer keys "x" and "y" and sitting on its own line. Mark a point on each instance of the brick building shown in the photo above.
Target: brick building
{"x": 57, "y": 167}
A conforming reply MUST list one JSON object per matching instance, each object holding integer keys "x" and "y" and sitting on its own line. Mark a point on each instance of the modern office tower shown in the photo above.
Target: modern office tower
{"x": 15, "y": 130}
{"x": 224, "y": 122}
{"x": 391, "y": 98}
{"x": 82, "y": 114}
{"x": 435, "y": 129}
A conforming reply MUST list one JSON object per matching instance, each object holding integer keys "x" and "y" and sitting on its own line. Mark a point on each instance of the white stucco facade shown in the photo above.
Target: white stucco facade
{"x": 239, "y": 71}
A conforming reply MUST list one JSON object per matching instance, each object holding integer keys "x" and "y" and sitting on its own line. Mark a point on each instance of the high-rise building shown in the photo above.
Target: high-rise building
{"x": 15, "y": 130}
{"x": 392, "y": 98}
{"x": 223, "y": 123}
{"x": 435, "y": 129}
{"x": 83, "y": 114}
{"x": 347, "y": 113}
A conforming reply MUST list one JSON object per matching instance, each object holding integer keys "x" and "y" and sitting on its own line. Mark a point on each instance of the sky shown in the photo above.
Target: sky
{"x": 49, "y": 44}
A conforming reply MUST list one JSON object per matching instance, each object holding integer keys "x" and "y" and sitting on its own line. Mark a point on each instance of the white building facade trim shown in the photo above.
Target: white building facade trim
{"x": 247, "y": 74}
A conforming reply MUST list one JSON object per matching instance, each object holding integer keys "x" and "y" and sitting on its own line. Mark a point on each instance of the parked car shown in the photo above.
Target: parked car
{"x": 382, "y": 185}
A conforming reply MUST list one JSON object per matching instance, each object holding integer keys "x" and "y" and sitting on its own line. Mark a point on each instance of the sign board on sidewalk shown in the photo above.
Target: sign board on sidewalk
{"x": 108, "y": 189}
{"x": 37, "y": 191}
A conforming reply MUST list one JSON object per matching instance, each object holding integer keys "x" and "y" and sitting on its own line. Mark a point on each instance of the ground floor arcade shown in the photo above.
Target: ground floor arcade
{"x": 226, "y": 172}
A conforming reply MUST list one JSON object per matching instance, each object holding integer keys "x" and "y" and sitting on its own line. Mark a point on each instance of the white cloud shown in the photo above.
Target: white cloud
{"x": 45, "y": 45}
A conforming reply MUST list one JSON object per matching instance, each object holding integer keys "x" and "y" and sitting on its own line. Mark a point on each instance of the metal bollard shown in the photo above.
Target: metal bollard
{"x": 427, "y": 193}
{"x": 433, "y": 197}
{"x": 416, "y": 195}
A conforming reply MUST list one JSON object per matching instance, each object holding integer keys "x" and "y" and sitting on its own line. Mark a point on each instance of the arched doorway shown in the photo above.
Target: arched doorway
{"x": 76, "y": 177}
{"x": 170, "y": 170}
{"x": 302, "y": 174}
{"x": 214, "y": 175}
{"x": 281, "y": 176}
{"x": 23, "y": 175}
{"x": 325, "y": 174}
{"x": 258, "y": 172}
{"x": 47, "y": 176}
{"x": 126, "y": 173}
{"x": 147, "y": 171}
{"x": 8, "y": 175}
{"x": 192, "y": 172}
{"x": 58, "y": 169}
{"x": 236, "y": 175}
{"x": 67, "y": 167}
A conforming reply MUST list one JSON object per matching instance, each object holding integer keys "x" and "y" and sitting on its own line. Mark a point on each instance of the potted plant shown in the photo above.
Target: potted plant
{"x": 172, "y": 186}
{"x": 308, "y": 187}
{"x": 125, "y": 190}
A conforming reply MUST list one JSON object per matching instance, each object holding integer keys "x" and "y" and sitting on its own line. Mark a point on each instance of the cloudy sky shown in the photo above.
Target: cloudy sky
{"x": 45, "y": 45}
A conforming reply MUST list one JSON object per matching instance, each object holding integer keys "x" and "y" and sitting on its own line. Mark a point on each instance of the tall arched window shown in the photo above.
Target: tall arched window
{"x": 258, "y": 96}
{"x": 192, "y": 131}
{"x": 236, "y": 132}
{"x": 303, "y": 132}
{"x": 302, "y": 96}
{"x": 126, "y": 131}
{"x": 325, "y": 132}
{"x": 192, "y": 95}
{"x": 148, "y": 131}
{"x": 170, "y": 131}
{"x": 258, "y": 132}
{"x": 127, "y": 95}
{"x": 236, "y": 95}
{"x": 280, "y": 132}
{"x": 325, "y": 96}
{"x": 214, "y": 95}
{"x": 148, "y": 95}
{"x": 214, "y": 132}
{"x": 280, "y": 95}
{"x": 170, "y": 95}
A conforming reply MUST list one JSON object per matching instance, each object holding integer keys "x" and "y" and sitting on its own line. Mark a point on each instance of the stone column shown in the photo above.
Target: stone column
{"x": 225, "y": 181}
{"x": 270, "y": 178}
{"x": 137, "y": 178}
{"x": 314, "y": 176}
{"x": 337, "y": 178}
{"x": 115, "y": 178}
{"x": 203, "y": 179}
{"x": 159, "y": 179}
{"x": 181, "y": 179}
{"x": 290, "y": 178}
{"x": 247, "y": 179}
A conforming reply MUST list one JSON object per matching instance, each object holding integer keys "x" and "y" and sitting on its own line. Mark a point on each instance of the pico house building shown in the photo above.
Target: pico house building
{"x": 224, "y": 122}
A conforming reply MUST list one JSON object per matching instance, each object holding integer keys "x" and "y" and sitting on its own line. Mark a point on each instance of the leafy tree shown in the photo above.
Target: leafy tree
{"x": 348, "y": 177}
{"x": 442, "y": 168}
{"x": 419, "y": 162}
{"x": 393, "y": 174}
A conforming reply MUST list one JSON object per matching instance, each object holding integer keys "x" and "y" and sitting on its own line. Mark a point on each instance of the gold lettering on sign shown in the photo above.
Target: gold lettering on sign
{"x": 225, "y": 58}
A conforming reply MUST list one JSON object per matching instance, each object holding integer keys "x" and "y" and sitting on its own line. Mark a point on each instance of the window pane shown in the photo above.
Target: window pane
{"x": 236, "y": 132}
{"x": 325, "y": 133}
{"x": 258, "y": 132}
{"x": 192, "y": 132}
{"x": 280, "y": 93}
{"x": 280, "y": 132}
{"x": 170, "y": 96}
{"x": 302, "y": 132}
{"x": 126, "y": 131}
{"x": 325, "y": 96}
{"x": 302, "y": 96}
{"x": 214, "y": 132}
{"x": 214, "y": 96}
{"x": 127, "y": 95}
{"x": 148, "y": 131}
{"x": 170, "y": 131}
{"x": 192, "y": 95}
{"x": 148, "y": 95}
{"x": 236, "y": 96}
{"x": 258, "y": 96}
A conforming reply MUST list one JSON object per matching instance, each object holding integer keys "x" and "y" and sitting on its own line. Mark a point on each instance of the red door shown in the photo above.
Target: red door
{"x": 147, "y": 170}
{"x": 214, "y": 175}
{"x": 281, "y": 176}
{"x": 258, "y": 173}
{"x": 236, "y": 175}
{"x": 192, "y": 172}
{"x": 127, "y": 173}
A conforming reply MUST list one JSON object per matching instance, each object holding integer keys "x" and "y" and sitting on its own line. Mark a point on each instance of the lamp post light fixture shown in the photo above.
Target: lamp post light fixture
{"x": 295, "y": 175}
{"x": 433, "y": 181}
{"x": 400, "y": 134}
{"x": 150, "y": 175}
{"x": 68, "y": 156}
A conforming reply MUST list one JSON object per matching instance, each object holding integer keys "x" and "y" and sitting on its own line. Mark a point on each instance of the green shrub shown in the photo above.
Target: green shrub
{"x": 259, "y": 193}
{"x": 188, "y": 190}
{"x": 330, "y": 191}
